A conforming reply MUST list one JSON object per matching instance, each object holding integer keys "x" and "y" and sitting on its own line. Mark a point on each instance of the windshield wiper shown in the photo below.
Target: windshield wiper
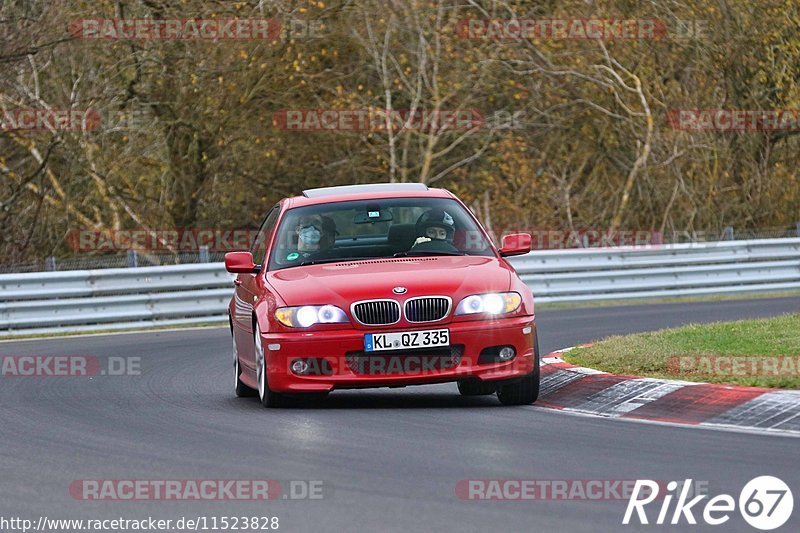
{"x": 331, "y": 260}
{"x": 412, "y": 253}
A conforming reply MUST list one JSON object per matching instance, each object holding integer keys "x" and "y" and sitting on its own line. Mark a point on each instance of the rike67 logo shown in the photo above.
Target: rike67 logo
{"x": 765, "y": 503}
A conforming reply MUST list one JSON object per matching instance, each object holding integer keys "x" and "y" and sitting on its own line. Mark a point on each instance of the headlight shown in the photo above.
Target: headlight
{"x": 307, "y": 315}
{"x": 495, "y": 303}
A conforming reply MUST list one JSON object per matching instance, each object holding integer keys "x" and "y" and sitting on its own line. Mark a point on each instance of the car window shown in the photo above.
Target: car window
{"x": 387, "y": 227}
{"x": 260, "y": 244}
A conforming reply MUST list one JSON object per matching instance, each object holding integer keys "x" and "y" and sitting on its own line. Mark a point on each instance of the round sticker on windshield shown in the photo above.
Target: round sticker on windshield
{"x": 292, "y": 256}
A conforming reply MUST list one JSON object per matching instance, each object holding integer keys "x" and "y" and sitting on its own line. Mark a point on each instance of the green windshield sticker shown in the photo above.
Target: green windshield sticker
{"x": 292, "y": 256}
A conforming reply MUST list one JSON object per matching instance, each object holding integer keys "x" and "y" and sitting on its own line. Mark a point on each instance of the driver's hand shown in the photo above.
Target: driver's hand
{"x": 421, "y": 240}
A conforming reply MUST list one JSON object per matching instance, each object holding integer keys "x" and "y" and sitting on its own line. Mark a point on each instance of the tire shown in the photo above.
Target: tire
{"x": 240, "y": 389}
{"x": 476, "y": 387}
{"x": 267, "y": 396}
{"x": 526, "y": 390}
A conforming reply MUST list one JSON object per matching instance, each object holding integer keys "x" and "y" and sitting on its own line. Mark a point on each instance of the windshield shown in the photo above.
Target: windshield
{"x": 380, "y": 228}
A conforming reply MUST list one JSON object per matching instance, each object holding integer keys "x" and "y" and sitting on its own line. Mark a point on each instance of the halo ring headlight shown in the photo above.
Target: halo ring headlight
{"x": 493, "y": 303}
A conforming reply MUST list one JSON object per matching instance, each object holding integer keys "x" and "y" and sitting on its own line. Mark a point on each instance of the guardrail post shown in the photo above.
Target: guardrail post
{"x": 727, "y": 234}
{"x": 50, "y": 264}
{"x": 798, "y": 229}
{"x": 204, "y": 258}
{"x": 133, "y": 259}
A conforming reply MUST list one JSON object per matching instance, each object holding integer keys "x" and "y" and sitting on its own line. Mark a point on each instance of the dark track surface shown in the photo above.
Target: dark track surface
{"x": 389, "y": 459}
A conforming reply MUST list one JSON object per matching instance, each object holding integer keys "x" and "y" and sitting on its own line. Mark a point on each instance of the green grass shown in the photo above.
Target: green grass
{"x": 654, "y": 354}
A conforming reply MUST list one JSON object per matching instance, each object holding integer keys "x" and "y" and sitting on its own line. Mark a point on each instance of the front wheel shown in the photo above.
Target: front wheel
{"x": 526, "y": 390}
{"x": 268, "y": 397}
{"x": 522, "y": 392}
{"x": 239, "y": 388}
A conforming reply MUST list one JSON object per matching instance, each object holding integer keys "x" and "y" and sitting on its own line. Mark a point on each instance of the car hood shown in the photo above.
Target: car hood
{"x": 344, "y": 283}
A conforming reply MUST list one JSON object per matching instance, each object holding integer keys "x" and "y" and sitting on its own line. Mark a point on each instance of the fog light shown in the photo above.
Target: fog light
{"x": 299, "y": 366}
{"x": 506, "y": 353}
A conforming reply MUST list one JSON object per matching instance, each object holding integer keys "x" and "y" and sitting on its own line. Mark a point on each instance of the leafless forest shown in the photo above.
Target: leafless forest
{"x": 575, "y": 131}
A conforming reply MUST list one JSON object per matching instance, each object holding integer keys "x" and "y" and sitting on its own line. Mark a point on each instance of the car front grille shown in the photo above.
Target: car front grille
{"x": 418, "y": 361}
{"x": 377, "y": 312}
{"x": 427, "y": 308}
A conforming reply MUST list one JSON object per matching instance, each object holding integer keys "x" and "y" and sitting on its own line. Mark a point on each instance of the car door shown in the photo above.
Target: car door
{"x": 248, "y": 291}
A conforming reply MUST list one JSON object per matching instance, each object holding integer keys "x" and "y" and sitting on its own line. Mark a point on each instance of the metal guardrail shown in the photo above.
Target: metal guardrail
{"x": 114, "y": 298}
{"x": 725, "y": 267}
{"x": 121, "y": 298}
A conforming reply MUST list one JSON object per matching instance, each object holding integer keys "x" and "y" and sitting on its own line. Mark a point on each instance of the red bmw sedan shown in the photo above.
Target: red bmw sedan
{"x": 381, "y": 285}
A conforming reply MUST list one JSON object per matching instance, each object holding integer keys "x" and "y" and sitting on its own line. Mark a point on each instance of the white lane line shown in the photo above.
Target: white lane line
{"x": 586, "y": 371}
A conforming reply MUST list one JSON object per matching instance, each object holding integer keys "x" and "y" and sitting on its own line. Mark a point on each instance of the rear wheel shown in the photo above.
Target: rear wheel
{"x": 476, "y": 387}
{"x": 268, "y": 397}
{"x": 526, "y": 390}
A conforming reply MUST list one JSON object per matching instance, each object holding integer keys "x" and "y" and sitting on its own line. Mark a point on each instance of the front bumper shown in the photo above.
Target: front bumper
{"x": 340, "y": 348}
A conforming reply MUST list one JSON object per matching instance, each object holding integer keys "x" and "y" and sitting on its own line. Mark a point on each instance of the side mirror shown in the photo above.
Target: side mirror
{"x": 240, "y": 263}
{"x": 516, "y": 244}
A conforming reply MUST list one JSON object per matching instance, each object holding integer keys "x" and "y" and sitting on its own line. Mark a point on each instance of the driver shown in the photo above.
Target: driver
{"x": 435, "y": 231}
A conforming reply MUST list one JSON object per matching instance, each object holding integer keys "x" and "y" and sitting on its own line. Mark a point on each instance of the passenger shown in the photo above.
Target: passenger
{"x": 309, "y": 233}
{"x": 316, "y": 235}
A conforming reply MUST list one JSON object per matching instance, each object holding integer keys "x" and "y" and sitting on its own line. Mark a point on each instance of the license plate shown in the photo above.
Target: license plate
{"x": 376, "y": 342}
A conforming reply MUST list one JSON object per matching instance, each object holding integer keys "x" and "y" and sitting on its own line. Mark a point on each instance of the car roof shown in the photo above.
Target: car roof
{"x": 366, "y": 188}
{"x": 368, "y": 191}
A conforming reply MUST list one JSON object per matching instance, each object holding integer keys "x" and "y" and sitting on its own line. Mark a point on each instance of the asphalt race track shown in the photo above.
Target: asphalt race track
{"x": 389, "y": 459}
